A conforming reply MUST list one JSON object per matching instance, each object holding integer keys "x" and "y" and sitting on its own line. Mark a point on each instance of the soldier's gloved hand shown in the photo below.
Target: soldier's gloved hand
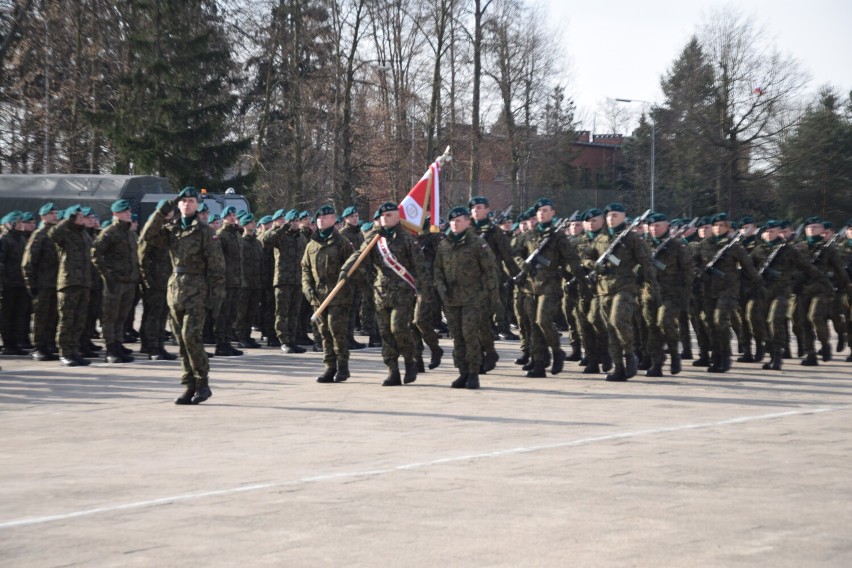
{"x": 528, "y": 267}
{"x": 312, "y": 298}
{"x": 343, "y": 276}
{"x": 166, "y": 207}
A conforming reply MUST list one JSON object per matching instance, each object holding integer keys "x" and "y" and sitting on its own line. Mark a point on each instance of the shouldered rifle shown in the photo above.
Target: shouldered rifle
{"x": 535, "y": 259}
{"x": 662, "y": 246}
{"x": 831, "y": 242}
{"x": 765, "y": 269}
{"x": 607, "y": 256}
{"x": 710, "y": 268}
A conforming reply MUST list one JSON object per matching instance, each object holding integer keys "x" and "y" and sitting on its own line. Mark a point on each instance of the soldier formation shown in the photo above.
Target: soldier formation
{"x": 630, "y": 293}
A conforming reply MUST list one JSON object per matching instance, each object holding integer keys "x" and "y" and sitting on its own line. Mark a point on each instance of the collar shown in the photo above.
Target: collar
{"x": 388, "y": 232}
{"x": 542, "y": 228}
{"x": 186, "y": 222}
{"x": 322, "y": 235}
{"x": 615, "y": 230}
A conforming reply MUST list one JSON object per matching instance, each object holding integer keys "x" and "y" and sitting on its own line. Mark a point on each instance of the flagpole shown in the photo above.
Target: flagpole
{"x": 349, "y": 273}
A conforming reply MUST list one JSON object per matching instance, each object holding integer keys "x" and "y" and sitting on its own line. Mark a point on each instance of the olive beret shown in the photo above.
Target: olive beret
{"x": 476, "y": 200}
{"x": 542, "y": 202}
{"x": 351, "y": 210}
{"x": 324, "y": 210}
{"x": 590, "y": 213}
{"x": 188, "y": 191}
{"x": 656, "y": 218}
{"x": 458, "y": 212}
{"x": 615, "y": 207}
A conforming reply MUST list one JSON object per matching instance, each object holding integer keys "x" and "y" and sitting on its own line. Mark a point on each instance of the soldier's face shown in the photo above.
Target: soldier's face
{"x": 326, "y": 221}
{"x": 123, "y": 216}
{"x": 459, "y": 224}
{"x": 188, "y": 206}
{"x": 204, "y": 216}
{"x": 658, "y": 229}
{"x": 389, "y": 219}
{"x": 50, "y": 218}
{"x": 92, "y": 222}
{"x": 545, "y": 214}
{"x": 770, "y": 235}
{"x": 849, "y": 233}
{"x": 576, "y": 228}
{"x": 814, "y": 229}
{"x": 352, "y": 219}
{"x": 80, "y": 220}
{"x": 615, "y": 218}
{"x": 595, "y": 224}
{"x": 703, "y": 231}
{"x": 748, "y": 230}
{"x": 720, "y": 229}
{"x": 479, "y": 211}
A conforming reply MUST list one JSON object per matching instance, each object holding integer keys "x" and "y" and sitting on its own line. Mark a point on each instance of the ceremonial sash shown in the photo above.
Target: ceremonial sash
{"x": 391, "y": 262}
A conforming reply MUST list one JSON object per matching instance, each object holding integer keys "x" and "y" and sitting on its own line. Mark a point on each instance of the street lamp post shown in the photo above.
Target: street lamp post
{"x": 653, "y": 143}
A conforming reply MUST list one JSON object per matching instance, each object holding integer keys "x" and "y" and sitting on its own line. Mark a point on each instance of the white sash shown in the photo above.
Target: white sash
{"x": 391, "y": 262}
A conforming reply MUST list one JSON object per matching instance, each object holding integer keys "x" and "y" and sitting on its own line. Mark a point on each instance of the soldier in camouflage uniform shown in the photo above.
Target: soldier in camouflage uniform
{"x": 752, "y": 307}
{"x": 73, "y": 284}
{"x": 427, "y": 301}
{"x": 396, "y": 259}
{"x": 368, "y": 302}
{"x": 321, "y": 265}
{"x": 466, "y": 280}
{"x": 250, "y": 290}
{"x": 154, "y": 272}
{"x": 115, "y": 256}
{"x": 40, "y": 266}
{"x": 571, "y": 294}
{"x": 836, "y": 311}
{"x": 546, "y": 285}
{"x": 816, "y": 297}
{"x": 351, "y": 229}
{"x": 267, "y": 278}
{"x": 617, "y": 290}
{"x": 592, "y": 327}
{"x": 198, "y": 278}
{"x": 232, "y": 250}
{"x": 305, "y": 324}
{"x": 289, "y": 246}
{"x": 844, "y": 252}
{"x": 14, "y": 324}
{"x": 522, "y": 293}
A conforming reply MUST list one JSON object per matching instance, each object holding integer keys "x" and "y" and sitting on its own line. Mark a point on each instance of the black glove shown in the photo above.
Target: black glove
{"x": 343, "y": 276}
{"x": 166, "y": 207}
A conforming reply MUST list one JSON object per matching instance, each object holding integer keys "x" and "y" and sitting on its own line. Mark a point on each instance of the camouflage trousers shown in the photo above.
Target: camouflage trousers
{"x": 95, "y": 303}
{"x": 543, "y": 309}
{"x": 395, "y": 317}
{"x": 616, "y": 318}
{"x": 288, "y": 302}
{"x": 45, "y": 319}
{"x": 593, "y": 333}
{"x": 486, "y": 327}
{"x": 187, "y": 318}
{"x": 424, "y": 318}
{"x": 812, "y": 316}
{"x": 718, "y": 313}
{"x": 267, "y": 312}
{"x": 522, "y": 311}
{"x": 333, "y": 326}
{"x": 776, "y": 320}
{"x": 247, "y": 311}
{"x": 73, "y": 306}
{"x": 14, "y": 324}
{"x": 755, "y": 319}
{"x": 699, "y": 324}
{"x": 227, "y": 316}
{"x": 117, "y": 303}
{"x": 664, "y": 328}
{"x": 464, "y": 325}
{"x": 154, "y": 314}
{"x": 570, "y": 300}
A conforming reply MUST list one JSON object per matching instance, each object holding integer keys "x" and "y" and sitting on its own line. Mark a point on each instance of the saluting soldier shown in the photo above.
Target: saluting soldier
{"x": 324, "y": 257}
{"x": 466, "y": 280}
{"x": 267, "y": 298}
{"x": 40, "y": 268}
{"x": 232, "y": 251}
{"x": 250, "y": 290}
{"x": 116, "y": 258}
{"x": 397, "y": 259}
{"x": 155, "y": 268}
{"x": 14, "y": 324}
{"x": 198, "y": 278}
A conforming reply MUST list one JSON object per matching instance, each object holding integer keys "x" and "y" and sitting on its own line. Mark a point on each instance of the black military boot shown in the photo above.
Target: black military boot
{"x": 472, "y": 381}
{"x": 186, "y": 397}
{"x": 202, "y": 391}
{"x": 800, "y": 347}
{"x": 631, "y": 366}
{"x": 489, "y": 362}
{"x": 725, "y": 363}
{"x": 644, "y": 363}
{"x": 538, "y": 370}
{"x": 112, "y": 355}
{"x": 841, "y": 342}
{"x": 656, "y": 369}
{"x": 810, "y": 360}
{"x": 162, "y": 355}
{"x": 327, "y": 375}
{"x": 460, "y": 382}
{"x": 592, "y": 368}
{"x": 559, "y": 357}
{"x": 355, "y": 345}
{"x": 393, "y": 379}
{"x": 676, "y": 366}
{"x": 617, "y": 373}
{"x": 223, "y": 350}
{"x": 80, "y": 360}
{"x": 69, "y": 361}
{"x": 826, "y": 352}
{"x": 686, "y": 354}
{"x": 123, "y": 349}
{"x": 342, "y": 373}
{"x": 746, "y": 357}
{"x": 715, "y": 361}
{"x": 576, "y": 352}
{"x": 437, "y": 353}
{"x": 249, "y": 343}
{"x": 759, "y": 352}
{"x": 273, "y": 342}
{"x": 421, "y": 366}
{"x": 775, "y": 359}
{"x": 523, "y": 359}
{"x": 292, "y": 348}
{"x": 606, "y": 362}
{"x": 410, "y": 372}
{"x": 702, "y": 361}
{"x": 375, "y": 341}
{"x": 43, "y": 355}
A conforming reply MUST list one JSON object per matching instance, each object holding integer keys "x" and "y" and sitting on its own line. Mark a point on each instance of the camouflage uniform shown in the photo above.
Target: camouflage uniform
{"x": 321, "y": 265}
{"x": 360, "y": 289}
{"x": 844, "y": 302}
{"x": 40, "y": 267}
{"x": 154, "y": 272}
{"x": 752, "y": 312}
{"x": 73, "y": 284}
{"x": 14, "y": 325}
{"x": 232, "y": 251}
{"x": 267, "y": 301}
{"x": 115, "y": 256}
{"x": 593, "y": 331}
{"x": 427, "y": 301}
{"x": 522, "y": 298}
{"x": 250, "y": 293}
{"x": 289, "y": 247}
{"x": 696, "y": 304}
{"x": 466, "y": 280}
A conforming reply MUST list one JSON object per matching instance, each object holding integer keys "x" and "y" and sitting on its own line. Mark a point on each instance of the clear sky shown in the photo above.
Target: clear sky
{"x": 620, "y": 48}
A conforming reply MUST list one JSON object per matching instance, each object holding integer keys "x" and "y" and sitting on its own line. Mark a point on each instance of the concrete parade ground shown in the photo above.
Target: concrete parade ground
{"x": 99, "y": 468}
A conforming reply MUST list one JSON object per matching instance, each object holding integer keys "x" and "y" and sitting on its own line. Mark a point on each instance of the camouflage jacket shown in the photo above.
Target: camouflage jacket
{"x": 41, "y": 263}
{"x": 289, "y": 247}
{"x": 12, "y": 249}
{"x": 500, "y": 246}
{"x": 73, "y": 247}
{"x": 232, "y": 250}
{"x": 734, "y": 264}
{"x": 155, "y": 266}
{"x": 387, "y": 285}
{"x": 466, "y": 271}
{"x": 354, "y": 234}
{"x": 674, "y": 267}
{"x": 780, "y": 275}
{"x": 829, "y": 264}
{"x": 428, "y": 243}
{"x": 321, "y": 266}
{"x": 560, "y": 251}
{"x": 115, "y": 254}
{"x": 252, "y": 262}
{"x": 635, "y": 261}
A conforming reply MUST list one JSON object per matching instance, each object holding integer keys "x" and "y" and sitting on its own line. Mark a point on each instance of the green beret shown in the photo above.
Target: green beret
{"x": 541, "y": 202}
{"x": 228, "y": 211}
{"x": 458, "y": 212}
{"x": 590, "y": 213}
{"x": 162, "y": 202}
{"x": 772, "y": 224}
{"x": 46, "y": 208}
{"x": 202, "y": 207}
{"x": 27, "y": 216}
{"x": 188, "y": 191}
{"x": 785, "y": 223}
{"x": 384, "y": 208}
{"x": 719, "y": 218}
{"x": 826, "y": 224}
{"x": 246, "y": 219}
{"x": 60, "y": 214}
{"x": 813, "y": 221}
{"x": 703, "y": 221}
{"x": 106, "y": 223}
{"x": 530, "y": 213}
{"x": 11, "y": 217}
{"x": 291, "y": 215}
{"x": 73, "y": 210}
{"x": 575, "y": 217}
{"x": 614, "y": 207}
{"x": 324, "y": 210}
{"x": 677, "y": 222}
{"x": 735, "y": 225}
{"x": 366, "y": 226}
{"x": 278, "y": 214}
{"x": 747, "y": 220}
{"x": 215, "y": 217}
{"x": 351, "y": 210}
{"x": 87, "y": 211}
{"x": 476, "y": 200}
{"x": 120, "y": 206}
{"x": 656, "y": 218}
{"x": 241, "y": 212}
{"x": 265, "y": 219}
{"x": 304, "y": 215}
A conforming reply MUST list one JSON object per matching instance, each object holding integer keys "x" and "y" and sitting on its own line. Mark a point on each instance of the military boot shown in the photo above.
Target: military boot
{"x": 826, "y": 352}
{"x": 375, "y": 341}
{"x": 656, "y": 369}
{"x": 202, "y": 391}
{"x": 644, "y": 363}
{"x": 775, "y": 359}
{"x": 393, "y": 379}
{"x": 715, "y": 361}
{"x": 702, "y": 361}
{"x": 528, "y": 365}
{"x": 523, "y": 359}
{"x": 273, "y": 342}
{"x": 342, "y": 373}
{"x": 472, "y": 381}
{"x": 327, "y": 375}
{"x": 592, "y": 367}
{"x": 841, "y": 342}
{"x": 676, "y": 366}
{"x": 292, "y": 348}
{"x": 410, "y": 372}
{"x": 686, "y": 354}
{"x": 606, "y": 362}
{"x": 112, "y": 355}
{"x": 186, "y": 397}
{"x": 421, "y": 366}
{"x": 725, "y": 363}
{"x": 43, "y": 355}
{"x": 576, "y": 352}
{"x": 80, "y": 360}
{"x": 746, "y": 357}
{"x": 355, "y": 345}
{"x": 489, "y": 362}
{"x": 559, "y": 357}
{"x": 437, "y": 353}
{"x": 631, "y": 366}
{"x": 617, "y": 373}
{"x": 123, "y": 349}
{"x": 759, "y": 352}
{"x": 460, "y": 382}
{"x": 538, "y": 370}
{"x": 810, "y": 360}
{"x": 162, "y": 355}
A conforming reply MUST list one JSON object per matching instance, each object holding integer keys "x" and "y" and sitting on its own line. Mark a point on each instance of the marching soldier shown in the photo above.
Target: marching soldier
{"x": 351, "y": 229}
{"x": 844, "y": 251}
{"x": 198, "y": 277}
{"x": 321, "y": 264}
{"x": 154, "y": 272}
{"x": 427, "y": 300}
{"x": 229, "y": 239}
{"x": 466, "y": 280}
{"x": 40, "y": 266}
{"x": 593, "y": 331}
{"x": 522, "y": 291}
{"x": 267, "y": 277}
{"x": 396, "y": 259}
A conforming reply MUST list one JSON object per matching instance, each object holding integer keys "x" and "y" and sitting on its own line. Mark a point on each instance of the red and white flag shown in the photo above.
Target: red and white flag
{"x": 424, "y": 199}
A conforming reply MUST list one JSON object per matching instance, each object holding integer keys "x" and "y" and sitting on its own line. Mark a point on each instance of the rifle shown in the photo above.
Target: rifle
{"x": 607, "y": 256}
{"x": 818, "y": 254}
{"x": 764, "y": 268}
{"x": 662, "y": 246}
{"x": 535, "y": 257}
{"x": 710, "y": 268}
